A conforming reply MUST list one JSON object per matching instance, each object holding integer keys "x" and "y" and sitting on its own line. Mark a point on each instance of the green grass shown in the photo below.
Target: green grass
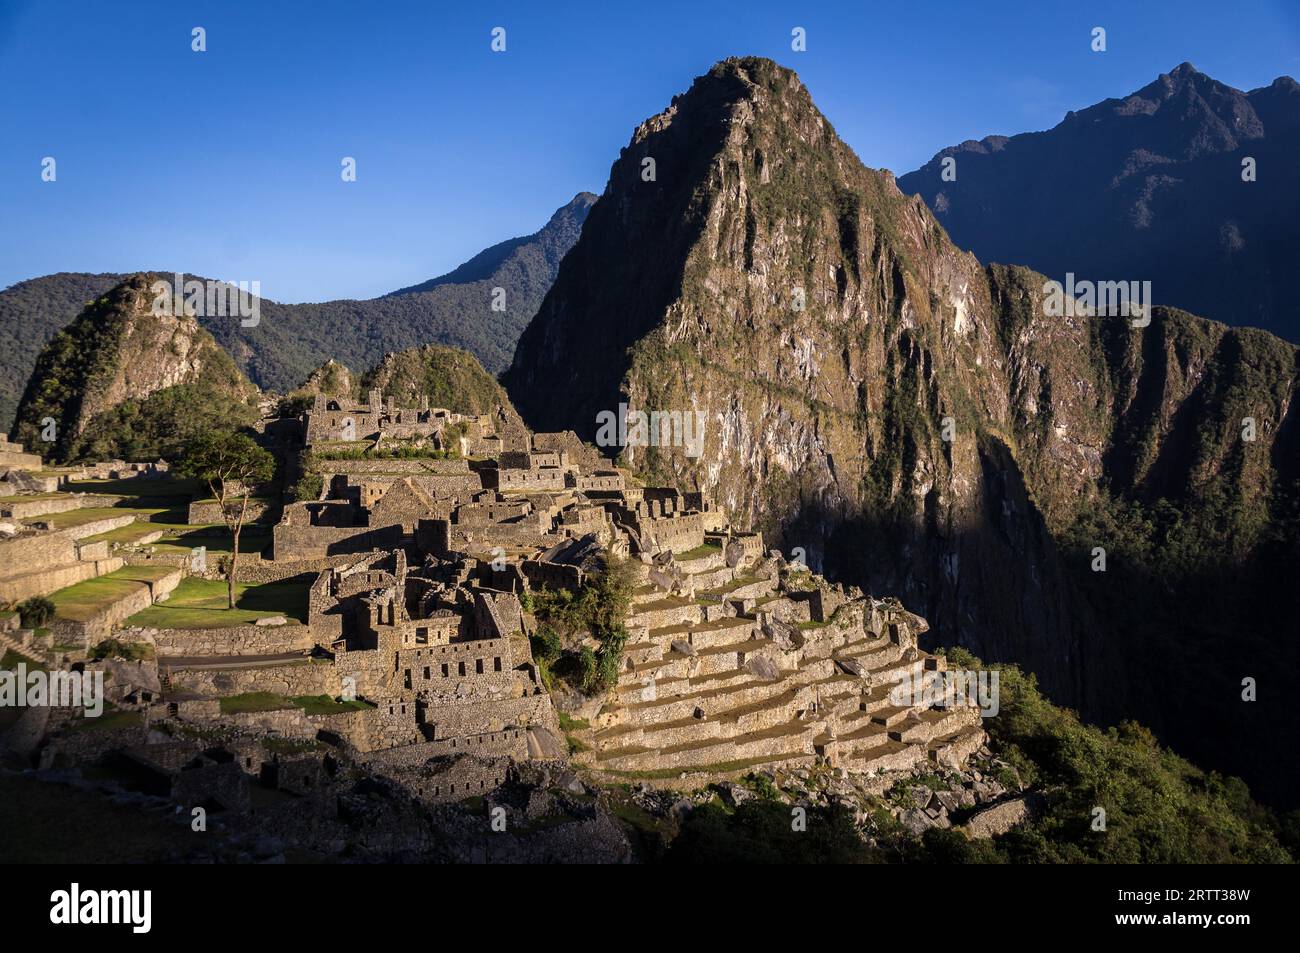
{"x": 84, "y": 600}
{"x": 699, "y": 552}
{"x": 201, "y": 604}
{"x": 91, "y": 514}
{"x": 181, "y": 537}
{"x": 29, "y": 497}
{"x": 569, "y": 723}
{"x": 139, "y": 489}
{"x": 109, "y": 719}
{"x": 254, "y": 701}
{"x": 132, "y": 651}
{"x": 325, "y": 705}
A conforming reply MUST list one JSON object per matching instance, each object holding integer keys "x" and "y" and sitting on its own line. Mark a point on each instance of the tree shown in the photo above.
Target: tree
{"x": 230, "y": 464}
{"x": 35, "y": 612}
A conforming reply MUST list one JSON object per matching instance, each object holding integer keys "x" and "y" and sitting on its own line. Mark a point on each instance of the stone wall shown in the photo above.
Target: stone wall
{"x": 481, "y": 667}
{"x": 297, "y": 678}
{"x": 27, "y": 509}
{"x": 678, "y": 533}
{"x": 299, "y": 543}
{"x": 35, "y": 552}
{"x": 484, "y": 716}
{"x": 206, "y": 512}
{"x": 232, "y": 640}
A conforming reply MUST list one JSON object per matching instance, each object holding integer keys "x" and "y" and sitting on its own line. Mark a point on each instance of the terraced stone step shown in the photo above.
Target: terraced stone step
{"x": 795, "y": 736}
{"x": 890, "y": 715}
{"x": 665, "y": 611}
{"x": 718, "y": 658}
{"x": 890, "y": 756}
{"x": 953, "y": 749}
{"x": 728, "y": 695}
{"x": 937, "y": 722}
{"x": 704, "y": 635}
{"x": 646, "y": 593}
{"x": 872, "y": 657}
{"x": 31, "y": 653}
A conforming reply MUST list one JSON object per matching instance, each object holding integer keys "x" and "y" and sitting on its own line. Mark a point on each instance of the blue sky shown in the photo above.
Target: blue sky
{"x": 226, "y": 163}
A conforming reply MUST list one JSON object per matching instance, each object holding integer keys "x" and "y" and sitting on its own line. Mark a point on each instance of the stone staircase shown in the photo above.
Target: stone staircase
{"x": 722, "y": 670}
{"x": 11, "y": 642}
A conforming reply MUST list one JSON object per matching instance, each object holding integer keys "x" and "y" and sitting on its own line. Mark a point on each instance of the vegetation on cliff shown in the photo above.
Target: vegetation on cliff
{"x": 567, "y": 618}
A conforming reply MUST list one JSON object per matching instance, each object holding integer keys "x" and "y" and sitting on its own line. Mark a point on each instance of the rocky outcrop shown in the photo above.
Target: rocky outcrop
{"x": 917, "y": 423}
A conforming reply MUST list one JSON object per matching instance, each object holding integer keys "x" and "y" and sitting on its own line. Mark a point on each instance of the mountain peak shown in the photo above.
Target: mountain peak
{"x": 577, "y": 207}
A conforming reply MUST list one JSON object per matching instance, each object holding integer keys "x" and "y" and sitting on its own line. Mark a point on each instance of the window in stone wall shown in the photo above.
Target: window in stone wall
{"x": 478, "y": 666}
{"x": 496, "y": 664}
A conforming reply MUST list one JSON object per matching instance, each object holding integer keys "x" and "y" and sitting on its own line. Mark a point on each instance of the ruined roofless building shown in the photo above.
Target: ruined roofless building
{"x": 341, "y": 420}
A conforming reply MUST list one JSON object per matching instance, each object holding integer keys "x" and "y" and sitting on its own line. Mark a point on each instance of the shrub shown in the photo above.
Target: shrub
{"x": 36, "y": 612}
{"x": 587, "y": 669}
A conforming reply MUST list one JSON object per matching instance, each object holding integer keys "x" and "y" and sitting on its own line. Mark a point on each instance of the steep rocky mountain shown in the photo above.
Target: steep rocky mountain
{"x": 1147, "y": 187}
{"x": 291, "y": 340}
{"x": 122, "y": 381}
{"x": 32, "y": 312}
{"x": 917, "y": 423}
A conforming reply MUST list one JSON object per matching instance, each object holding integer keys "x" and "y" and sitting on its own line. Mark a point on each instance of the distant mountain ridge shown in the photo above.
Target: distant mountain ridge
{"x": 292, "y": 340}
{"x": 1147, "y": 187}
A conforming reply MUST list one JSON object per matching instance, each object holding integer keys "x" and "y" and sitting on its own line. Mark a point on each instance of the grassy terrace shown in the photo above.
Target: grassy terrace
{"x": 85, "y": 600}
{"x": 139, "y": 489}
{"x": 90, "y": 514}
{"x": 180, "y": 537}
{"x": 158, "y": 506}
{"x": 201, "y": 604}
{"x": 700, "y": 552}
{"x": 28, "y": 497}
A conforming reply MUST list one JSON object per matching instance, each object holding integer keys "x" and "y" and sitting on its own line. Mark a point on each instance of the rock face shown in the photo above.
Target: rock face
{"x": 917, "y": 424}
{"x": 1148, "y": 187}
{"x": 120, "y": 368}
